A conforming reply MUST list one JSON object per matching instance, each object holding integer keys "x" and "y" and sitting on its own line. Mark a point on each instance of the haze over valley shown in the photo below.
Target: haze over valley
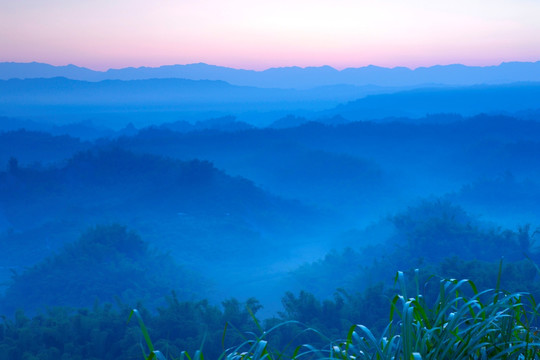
{"x": 298, "y": 180}
{"x": 249, "y": 201}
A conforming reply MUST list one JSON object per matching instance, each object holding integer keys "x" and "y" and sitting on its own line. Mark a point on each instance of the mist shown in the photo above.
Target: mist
{"x": 200, "y": 197}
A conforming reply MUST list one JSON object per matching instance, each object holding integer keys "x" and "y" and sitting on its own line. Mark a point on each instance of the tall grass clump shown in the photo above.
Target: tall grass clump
{"x": 460, "y": 323}
{"x": 457, "y": 322}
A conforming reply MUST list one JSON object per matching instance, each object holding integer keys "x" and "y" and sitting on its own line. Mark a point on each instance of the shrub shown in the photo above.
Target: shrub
{"x": 461, "y": 323}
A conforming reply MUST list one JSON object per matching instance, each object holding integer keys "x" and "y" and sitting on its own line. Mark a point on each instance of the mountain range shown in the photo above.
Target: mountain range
{"x": 116, "y": 103}
{"x": 292, "y": 77}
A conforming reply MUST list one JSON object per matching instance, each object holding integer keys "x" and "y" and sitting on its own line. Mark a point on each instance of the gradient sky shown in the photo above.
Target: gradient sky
{"x": 256, "y": 34}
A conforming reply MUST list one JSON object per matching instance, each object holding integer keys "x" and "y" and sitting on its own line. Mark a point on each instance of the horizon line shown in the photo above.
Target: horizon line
{"x": 269, "y": 68}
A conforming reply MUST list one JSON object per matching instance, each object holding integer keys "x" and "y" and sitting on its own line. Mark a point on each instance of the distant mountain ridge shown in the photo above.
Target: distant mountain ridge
{"x": 466, "y": 101}
{"x": 292, "y": 77}
{"x": 184, "y": 94}
{"x": 114, "y": 104}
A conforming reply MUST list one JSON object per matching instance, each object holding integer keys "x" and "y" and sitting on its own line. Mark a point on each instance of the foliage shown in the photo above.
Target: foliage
{"x": 461, "y": 323}
{"x": 60, "y": 333}
{"x": 105, "y": 263}
{"x": 489, "y": 324}
{"x": 435, "y": 235}
{"x": 437, "y": 229}
{"x": 192, "y": 325}
{"x": 180, "y": 201}
{"x": 168, "y": 201}
{"x": 100, "y": 332}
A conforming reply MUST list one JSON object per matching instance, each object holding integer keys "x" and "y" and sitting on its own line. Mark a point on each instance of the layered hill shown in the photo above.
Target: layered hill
{"x": 117, "y": 103}
{"x": 189, "y": 208}
{"x": 466, "y": 101}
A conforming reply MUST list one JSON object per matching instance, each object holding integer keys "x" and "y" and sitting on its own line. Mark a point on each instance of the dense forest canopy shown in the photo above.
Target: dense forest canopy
{"x": 300, "y": 220}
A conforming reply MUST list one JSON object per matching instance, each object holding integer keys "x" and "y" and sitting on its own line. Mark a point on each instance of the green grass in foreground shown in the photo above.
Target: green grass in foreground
{"x": 461, "y": 323}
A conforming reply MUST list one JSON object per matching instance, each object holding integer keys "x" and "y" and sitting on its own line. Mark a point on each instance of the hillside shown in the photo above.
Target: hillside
{"x": 360, "y": 169}
{"x": 188, "y": 208}
{"x": 258, "y": 202}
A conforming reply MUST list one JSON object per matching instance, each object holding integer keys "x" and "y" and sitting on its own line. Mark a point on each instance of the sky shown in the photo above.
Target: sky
{"x": 256, "y": 34}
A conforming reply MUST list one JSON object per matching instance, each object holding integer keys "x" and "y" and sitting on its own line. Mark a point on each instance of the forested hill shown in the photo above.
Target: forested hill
{"x": 355, "y": 169}
{"x": 30, "y": 147}
{"x": 187, "y": 207}
{"x": 245, "y": 207}
{"x": 360, "y": 164}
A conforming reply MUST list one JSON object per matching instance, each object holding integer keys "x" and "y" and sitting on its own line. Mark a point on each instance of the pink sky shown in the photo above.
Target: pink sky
{"x": 258, "y": 34}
